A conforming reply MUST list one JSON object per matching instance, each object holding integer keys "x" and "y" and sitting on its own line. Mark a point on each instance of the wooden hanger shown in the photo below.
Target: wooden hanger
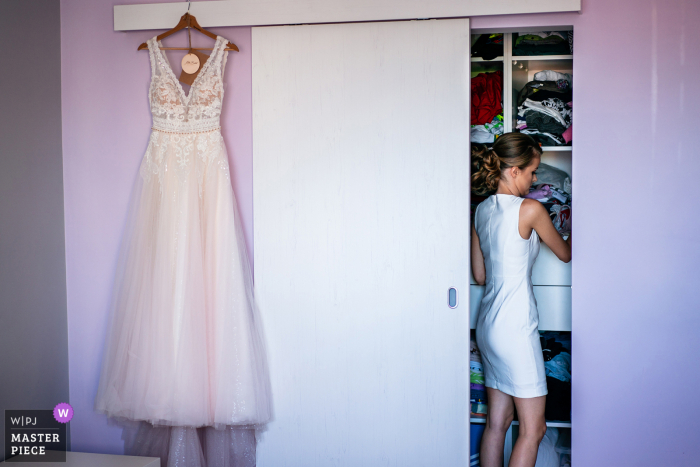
{"x": 188, "y": 21}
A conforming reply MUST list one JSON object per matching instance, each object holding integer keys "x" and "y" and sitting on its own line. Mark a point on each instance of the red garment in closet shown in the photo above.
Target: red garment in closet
{"x": 487, "y": 92}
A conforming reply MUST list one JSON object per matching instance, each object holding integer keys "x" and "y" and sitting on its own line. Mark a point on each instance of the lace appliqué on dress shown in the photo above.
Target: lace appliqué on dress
{"x": 203, "y": 150}
{"x": 186, "y": 128}
{"x": 172, "y": 109}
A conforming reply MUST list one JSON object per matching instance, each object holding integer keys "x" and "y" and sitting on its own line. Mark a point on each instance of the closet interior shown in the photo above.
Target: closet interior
{"x": 522, "y": 81}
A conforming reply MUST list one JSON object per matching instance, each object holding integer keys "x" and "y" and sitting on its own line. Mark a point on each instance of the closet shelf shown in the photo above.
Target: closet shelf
{"x": 480, "y": 59}
{"x": 553, "y": 424}
{"x": 557, "y": 148}
{"x": 523, "y": 58}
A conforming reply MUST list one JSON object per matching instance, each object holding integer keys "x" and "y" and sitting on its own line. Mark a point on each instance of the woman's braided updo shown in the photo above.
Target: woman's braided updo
{"x": 510, "y": 150}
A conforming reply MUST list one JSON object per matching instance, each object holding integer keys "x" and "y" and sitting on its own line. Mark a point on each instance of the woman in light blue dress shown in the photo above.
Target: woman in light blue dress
{"x": 506, "y": 233}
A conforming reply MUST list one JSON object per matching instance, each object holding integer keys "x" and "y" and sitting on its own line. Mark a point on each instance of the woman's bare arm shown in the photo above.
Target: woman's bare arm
{"x": 478, "y": 267}
{"x": 535, "y": 216}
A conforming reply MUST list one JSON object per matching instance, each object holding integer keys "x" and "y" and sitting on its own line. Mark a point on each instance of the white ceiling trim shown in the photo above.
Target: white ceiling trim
{"x": 279, "y": 12}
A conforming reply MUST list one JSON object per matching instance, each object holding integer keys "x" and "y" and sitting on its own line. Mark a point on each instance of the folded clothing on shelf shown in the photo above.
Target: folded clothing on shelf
{"x": 557, "y": 358}
{"x": 478, "y": 409}
{"x": 477, "y": 399}
{"x": 553, "y": 190}
{"x": 476, "y": 373}
{"x": 544, "y": 138}
{"x": 538, "y": 95}
{"x": 560, "y": 337}
{"x": 476, "y": 432}
{"x": 546, "y": 193}
{"x": 540, "y": 121}
{"x": 552, "y": 107}
{"x": 545, "y": 117}
{"x": 559, "y": 367}
{"x": 534, "y": 88}
{"x": 555, "y": 448}
{"x": 477, "y": 392}
{"x": 563, "y": 445}
{"x": 547, "y": 455}
{"x": 561, "y": 217}
{"x": 540, "y": 192}
{"x": 474, "y": 353}
{"x": 567, "y": 135}
{"x": 488, "y": 132}
{"x": 488, "y": 46}
{"x": 550, "y": 175}
{"x": 543, "y": 43}
{"x": 550, "y": 75}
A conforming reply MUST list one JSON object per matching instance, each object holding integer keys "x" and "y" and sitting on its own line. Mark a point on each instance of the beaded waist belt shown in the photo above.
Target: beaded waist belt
{"x": 185, "y": 132}
{"x": 193, "y": 126}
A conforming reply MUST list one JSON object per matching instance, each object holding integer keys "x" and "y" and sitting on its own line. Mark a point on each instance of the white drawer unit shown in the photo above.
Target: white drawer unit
{"x": 553, "y": 304}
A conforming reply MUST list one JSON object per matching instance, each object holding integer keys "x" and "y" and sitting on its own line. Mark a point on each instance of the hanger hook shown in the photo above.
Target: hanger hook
{"x": 188, "y": 6}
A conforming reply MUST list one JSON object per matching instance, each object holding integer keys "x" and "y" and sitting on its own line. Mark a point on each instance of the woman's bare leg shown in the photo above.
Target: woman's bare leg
{"x": 531, "y": 431}
{"x": 498, "y": 420}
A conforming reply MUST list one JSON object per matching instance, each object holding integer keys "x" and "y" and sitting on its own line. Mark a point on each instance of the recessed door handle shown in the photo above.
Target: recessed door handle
{"x": 452, "y": 299}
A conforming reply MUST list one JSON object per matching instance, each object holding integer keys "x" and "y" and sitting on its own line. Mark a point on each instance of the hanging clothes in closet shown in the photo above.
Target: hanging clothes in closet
{"x": 487, "y": 107}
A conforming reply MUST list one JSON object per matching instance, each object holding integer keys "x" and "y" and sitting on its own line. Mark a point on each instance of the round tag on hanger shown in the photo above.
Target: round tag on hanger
{"x": 190, "y": 63}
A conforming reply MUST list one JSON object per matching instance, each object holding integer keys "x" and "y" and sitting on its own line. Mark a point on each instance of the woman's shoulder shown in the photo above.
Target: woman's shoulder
{"x": 530, "y": 209}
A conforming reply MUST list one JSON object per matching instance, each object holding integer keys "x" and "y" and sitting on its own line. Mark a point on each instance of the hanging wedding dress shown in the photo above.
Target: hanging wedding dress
{"x": 184, "y": 368}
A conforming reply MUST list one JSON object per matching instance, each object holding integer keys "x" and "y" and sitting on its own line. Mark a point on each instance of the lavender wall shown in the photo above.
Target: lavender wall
{"x": 635, "y": 294}
{"x": 635, "y": 278}
{"x": 106, "y": 125}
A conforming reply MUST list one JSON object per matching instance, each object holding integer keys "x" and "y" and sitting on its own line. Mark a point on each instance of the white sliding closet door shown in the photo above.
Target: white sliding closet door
{"x": 361, "y": 220}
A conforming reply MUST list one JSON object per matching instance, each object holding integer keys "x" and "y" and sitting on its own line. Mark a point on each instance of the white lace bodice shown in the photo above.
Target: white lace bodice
{"x": 200, "y": 110}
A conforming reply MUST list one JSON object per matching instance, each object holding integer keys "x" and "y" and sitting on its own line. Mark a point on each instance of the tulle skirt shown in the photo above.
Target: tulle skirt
{"x": 191, "y": 447}
{"x": 185, "y": 344}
